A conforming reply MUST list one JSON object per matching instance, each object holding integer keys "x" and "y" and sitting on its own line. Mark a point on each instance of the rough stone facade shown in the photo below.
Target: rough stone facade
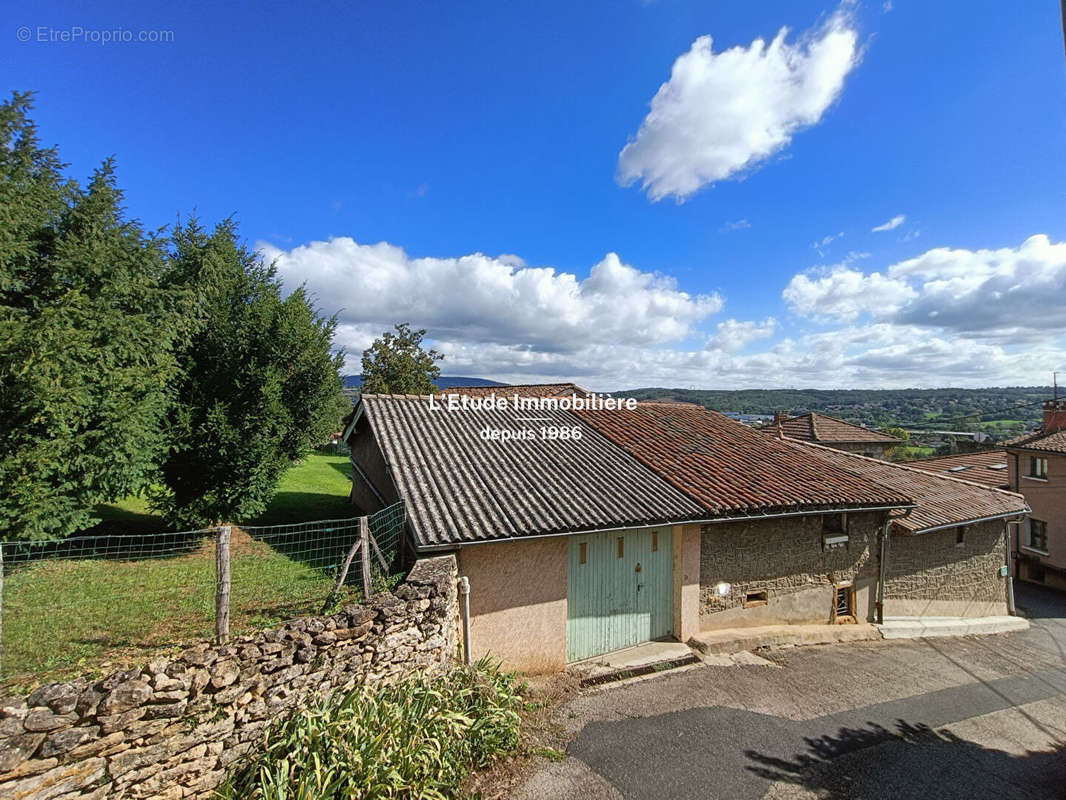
{"x": 868, "y": 449}
{"x": 782, "y": 557}
{"x": 172, "y": 728}
{"x": 933, "y": 574}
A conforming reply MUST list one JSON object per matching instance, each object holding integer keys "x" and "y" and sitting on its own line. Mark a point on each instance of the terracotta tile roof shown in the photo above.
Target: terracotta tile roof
{"x": 521, "y": 389}
{"x": 461, "y": 488}
{"x": 815, "y": 427}
{"x": 987, "y": 467}
{"x": 732, "y": 469}
{"x": 942, "y": 501}
{"x": 1054, "y": 442}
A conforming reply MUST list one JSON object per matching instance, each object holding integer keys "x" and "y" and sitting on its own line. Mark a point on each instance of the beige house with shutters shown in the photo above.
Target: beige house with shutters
{"x": 1037, "y": 470}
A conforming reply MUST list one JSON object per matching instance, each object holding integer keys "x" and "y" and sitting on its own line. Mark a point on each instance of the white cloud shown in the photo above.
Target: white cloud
{"x": 825, "y": 241}
{"x": 844, "y": 293}
{"x": 733, "y": 335}
{"x": 1011, "y": 294}
{"x": 721, "y": 114}
{"x": 738, "y": 225}
{"x": 478, "y": 298}
{"x": 881, "y": 355}
{"x": 947, "y": 317}
{"x": 891, "y": 225}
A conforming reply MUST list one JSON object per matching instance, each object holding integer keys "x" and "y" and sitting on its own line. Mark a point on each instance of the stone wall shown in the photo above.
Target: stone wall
{"x": 172, "y": 728}
{"x": 932, "y": 575}
{"x": 785, "y": 558}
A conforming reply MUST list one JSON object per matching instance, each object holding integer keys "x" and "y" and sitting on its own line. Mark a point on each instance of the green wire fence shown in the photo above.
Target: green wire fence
{"x": 101, "y": 601}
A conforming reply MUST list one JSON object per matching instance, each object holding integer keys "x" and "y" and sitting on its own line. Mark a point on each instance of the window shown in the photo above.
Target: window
{"x": 834, "y": 524}
{"x": 621, "y": 546}
{"x": 655, "y": 541}
{"x": 1037, "y": 538}
{"x": 834, "y": 531}
{"x": 960, "y": 536}
{"x": 758, "y": 597}
{"x": 583, "y": 553}
{"x": 843, "y": 602}
{"x": 1038, "y": 468}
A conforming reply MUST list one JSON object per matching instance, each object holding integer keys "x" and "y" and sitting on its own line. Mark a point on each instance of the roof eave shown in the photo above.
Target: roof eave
{"x": 445, "y": 546}
{"x": 960, "y": 523}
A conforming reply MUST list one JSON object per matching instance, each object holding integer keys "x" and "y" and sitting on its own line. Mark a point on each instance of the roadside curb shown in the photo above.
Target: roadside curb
{"x": 927, "y": 627}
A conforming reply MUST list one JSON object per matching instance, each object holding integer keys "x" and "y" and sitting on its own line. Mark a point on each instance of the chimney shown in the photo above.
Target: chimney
{"x": 1054, "y": 416}
{"x": 779, "y": 417}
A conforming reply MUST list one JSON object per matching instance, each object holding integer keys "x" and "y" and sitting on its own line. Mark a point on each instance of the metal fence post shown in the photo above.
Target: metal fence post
{"x": 222, "y": 588}
{"x": 364, "y": 553}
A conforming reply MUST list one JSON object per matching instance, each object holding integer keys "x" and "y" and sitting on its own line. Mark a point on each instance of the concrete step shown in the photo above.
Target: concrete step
{"x": 924, "y": 627}
{"x": 633, "y": 662}
{"x": 734, "y": 640}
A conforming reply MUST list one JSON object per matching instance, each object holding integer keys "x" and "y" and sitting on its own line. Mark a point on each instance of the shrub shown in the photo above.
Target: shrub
{"x": 415, "y": 739}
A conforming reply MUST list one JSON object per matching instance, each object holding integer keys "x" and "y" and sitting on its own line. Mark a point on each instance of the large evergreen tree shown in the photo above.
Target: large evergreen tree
{"x": 258, "y": 385}
{"x": 85, "y": 340}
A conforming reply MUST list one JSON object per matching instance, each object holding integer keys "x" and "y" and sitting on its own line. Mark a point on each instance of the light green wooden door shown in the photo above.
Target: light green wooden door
{"x": 619, "y": 591}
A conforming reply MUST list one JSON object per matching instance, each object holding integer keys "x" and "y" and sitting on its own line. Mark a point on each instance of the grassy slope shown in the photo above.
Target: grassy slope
{"x": 66, "y": 614}
{"x": 60, "y": 615}
{"x": 316, "y": 488}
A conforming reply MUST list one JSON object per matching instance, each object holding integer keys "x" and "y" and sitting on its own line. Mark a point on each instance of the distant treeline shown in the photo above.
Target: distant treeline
{"x": 958, "y": 409}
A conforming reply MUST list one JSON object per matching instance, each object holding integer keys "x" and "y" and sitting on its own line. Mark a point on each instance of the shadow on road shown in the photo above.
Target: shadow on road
{"x": 878, "y": 763}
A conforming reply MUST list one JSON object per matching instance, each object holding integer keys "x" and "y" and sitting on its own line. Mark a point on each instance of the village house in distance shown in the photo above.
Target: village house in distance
{"x": 671, "y": 521}
{"x": 832, "y": 432}
{"x": 988, "y": 467}
{"x": 1037, "y": 469}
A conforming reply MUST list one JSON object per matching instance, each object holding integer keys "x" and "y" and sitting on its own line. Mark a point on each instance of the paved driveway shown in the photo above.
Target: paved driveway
{"x": 938, "y": 718}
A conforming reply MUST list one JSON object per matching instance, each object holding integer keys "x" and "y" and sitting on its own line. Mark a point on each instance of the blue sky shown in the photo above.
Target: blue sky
{"x": 414, "y": 161}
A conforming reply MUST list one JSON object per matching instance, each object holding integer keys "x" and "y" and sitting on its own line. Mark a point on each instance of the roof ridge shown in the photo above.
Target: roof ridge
{"x": 921, "y": 459}
{"x": 675, "y": 404}
{"x": 514, "y": 385}
{"x": 898, "y": 465}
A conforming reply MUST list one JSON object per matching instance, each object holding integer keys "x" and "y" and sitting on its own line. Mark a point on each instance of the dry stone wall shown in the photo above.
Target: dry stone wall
{"x": 172, "y": 728}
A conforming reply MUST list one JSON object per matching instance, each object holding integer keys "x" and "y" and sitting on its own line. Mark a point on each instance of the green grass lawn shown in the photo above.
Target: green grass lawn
{"x": 64, "y": 616}
{"x": 316, "y": 488}
{"x": 71, "y": 615}
{"x": 910, "y": 453}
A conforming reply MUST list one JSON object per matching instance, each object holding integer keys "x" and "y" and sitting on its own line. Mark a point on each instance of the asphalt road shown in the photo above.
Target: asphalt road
{"x": 935, "y": 719}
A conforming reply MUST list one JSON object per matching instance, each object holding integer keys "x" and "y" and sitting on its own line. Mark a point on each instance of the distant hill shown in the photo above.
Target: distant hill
{"x": 443, "y": 382}
{"x": 996, "y": 409}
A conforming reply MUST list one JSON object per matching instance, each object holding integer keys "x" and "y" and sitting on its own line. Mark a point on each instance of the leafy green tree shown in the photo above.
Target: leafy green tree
{"x": 258, "y": 384}
{"x": 899, "y": 433}
{"x": 396, "y": 363}
{"x": 86, "y": 329}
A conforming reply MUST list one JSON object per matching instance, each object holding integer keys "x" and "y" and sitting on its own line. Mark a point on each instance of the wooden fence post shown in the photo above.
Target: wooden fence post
{"x": 364, "y": 551}
{"x": 342, "y": 575}
{"x": 1, "y": 609}
{"x": 378, "y": 553}
{"x": 223, "y": 586}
